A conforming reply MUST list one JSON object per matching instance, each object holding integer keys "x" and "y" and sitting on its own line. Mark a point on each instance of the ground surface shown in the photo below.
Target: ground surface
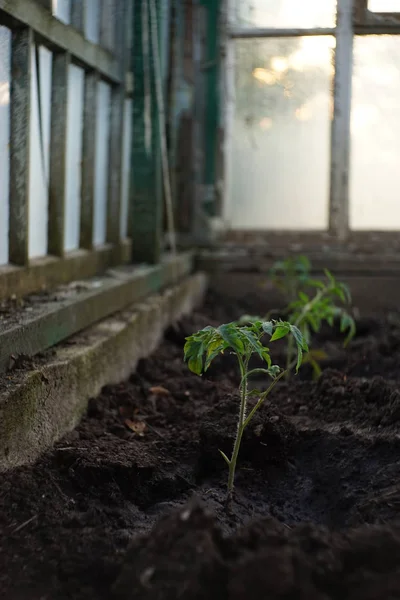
{"x": 131, "y": 504}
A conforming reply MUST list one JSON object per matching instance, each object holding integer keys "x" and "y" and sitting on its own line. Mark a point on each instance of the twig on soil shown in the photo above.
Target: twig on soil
{"x": 24, "y": 524}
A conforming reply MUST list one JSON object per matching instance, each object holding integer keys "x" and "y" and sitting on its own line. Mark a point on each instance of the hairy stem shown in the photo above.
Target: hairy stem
{"x": 240, "y": 426}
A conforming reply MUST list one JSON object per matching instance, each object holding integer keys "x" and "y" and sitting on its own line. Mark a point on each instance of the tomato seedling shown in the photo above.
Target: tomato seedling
{"x": 291, "y": 275}
{"x": 308, "y": 314}
{"x": 202, "y": 347}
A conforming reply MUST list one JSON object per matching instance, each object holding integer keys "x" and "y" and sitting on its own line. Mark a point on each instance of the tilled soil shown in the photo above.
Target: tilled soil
{"x": 131, "y": 503}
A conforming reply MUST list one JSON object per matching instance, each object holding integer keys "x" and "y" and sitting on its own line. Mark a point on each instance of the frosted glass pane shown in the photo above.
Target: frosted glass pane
{"x": 283, "y": 13}
{"x": 375, "y": 134}
{"x": 384, "y": 6}
{"x": 92, "y": 20}
{"x": 62, "y": 10}
{"x": 5, "y": 54}
{"x": 102, "y": 154}
{"x": 126, "y": 163}
{"x": 76, "y": 78}
{"x": 280, "y": 143}
{"x": 39, "y": 172}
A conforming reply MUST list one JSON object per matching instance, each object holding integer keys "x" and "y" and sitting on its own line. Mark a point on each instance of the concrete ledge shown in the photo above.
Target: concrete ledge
{"x": 38, "y": 406}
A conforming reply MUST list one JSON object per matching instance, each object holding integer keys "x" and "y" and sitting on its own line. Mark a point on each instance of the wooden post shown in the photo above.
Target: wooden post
{"x": 20, "y": 109}
{"x": 88, "y": 159}
{"x": 146, "y": 190}
{"x": 77, "y": 10}
{"x": 58, "y": 149}
{"x": 117, "y": 130}
{"x": 340, "y": 138}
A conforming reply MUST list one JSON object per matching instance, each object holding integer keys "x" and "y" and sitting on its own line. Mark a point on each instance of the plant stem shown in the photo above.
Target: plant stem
{"x": 240, "y": 426}
{"x": 244, "y": 421}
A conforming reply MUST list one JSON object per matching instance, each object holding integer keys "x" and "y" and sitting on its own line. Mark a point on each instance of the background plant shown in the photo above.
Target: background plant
{"x": 309, "y": 313}
{"x": 202, "y": 347}
{"x": 291, "y": 275}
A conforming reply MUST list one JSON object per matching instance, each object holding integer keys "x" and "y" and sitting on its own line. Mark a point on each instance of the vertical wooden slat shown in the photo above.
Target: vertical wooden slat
{"x": 46, "y": 4}
{"x": 58, "y": 150}
{"x": 88, "y": 159}
{"x": 146, "y": 191}
{"x": 107, "y": 31}
{"x": 340, "y": 138}
{"x": 21, "y": 56}
{"x": 77, "y": 10}
{"x": 116, "y": 130}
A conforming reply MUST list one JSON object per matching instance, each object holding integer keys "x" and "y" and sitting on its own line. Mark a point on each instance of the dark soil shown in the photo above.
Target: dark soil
{"x": 131, "y": 504}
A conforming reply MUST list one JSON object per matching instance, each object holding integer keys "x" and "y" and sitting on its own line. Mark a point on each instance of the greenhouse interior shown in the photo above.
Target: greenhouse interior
{"x": 199, "y": 299}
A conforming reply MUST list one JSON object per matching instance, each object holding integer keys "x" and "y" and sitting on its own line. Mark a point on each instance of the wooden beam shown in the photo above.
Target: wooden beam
{"x": 244, "y": 33}
{"x": 59, "y": 36}
{"x": 88, "y": 159}
{"x": 20, "y": 114}
{"x": 58, "y": 151}
{"x": 49, "y": 271}
{"x": 57, "y": 320}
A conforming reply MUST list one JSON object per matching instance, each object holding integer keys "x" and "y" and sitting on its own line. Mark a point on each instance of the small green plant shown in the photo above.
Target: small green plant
{"x": 291, "y": 276}
{"x": 202, "y": 347}
{"x": 309, "y": 313}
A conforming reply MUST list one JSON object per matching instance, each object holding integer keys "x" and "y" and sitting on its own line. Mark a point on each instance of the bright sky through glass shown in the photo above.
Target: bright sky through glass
{"x": 384, "y": 5}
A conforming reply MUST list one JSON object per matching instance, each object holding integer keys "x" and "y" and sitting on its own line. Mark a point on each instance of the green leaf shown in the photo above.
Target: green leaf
{"x": 280, "y": 332}
{"x": 254, "y": 343}
{"x": 268, "y": 327}
{"x": 266, "y": 357}
{"x": 303, "y": 297}
{"x": 216, "y": 347}
{"x": 347, "y": 323}
{"x": 224, "y": 456}
{"x": 274, "y": 371}
{"x": 230, "y": 335}
{"x": 299, "y": 338}
{"x": 195, "y": 364}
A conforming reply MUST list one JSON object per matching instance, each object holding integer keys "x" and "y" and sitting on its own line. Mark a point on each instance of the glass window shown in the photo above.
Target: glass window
{"x": 375, "y": 134}
{"x": 280, "y": 144}
{"x": 39, "y": 172}
{"x": 384, "y": 6}
{"x": 283, "y": 13}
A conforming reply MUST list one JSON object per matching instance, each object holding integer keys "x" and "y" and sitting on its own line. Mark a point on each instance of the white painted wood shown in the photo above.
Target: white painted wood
{"x": 102, "y": 157}
{"x": 73, "y": 157}
{"x": 39, "y": 173}
{"x": 5, "y": 58}
{"x": 126, "y": 164}
{"x": 340, "y": 136}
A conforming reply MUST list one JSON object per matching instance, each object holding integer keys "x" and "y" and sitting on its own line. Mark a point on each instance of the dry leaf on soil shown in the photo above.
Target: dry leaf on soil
{"x": 138, "y": 427}
{"x": 159, "y": 390}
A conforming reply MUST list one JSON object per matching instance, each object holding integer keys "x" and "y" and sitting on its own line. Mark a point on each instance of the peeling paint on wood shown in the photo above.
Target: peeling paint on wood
{"x": 20, "y": 104}
{"x": 58, "y": 148}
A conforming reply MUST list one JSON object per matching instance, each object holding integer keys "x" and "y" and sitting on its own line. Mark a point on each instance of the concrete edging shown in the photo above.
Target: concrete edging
{"x": 43, "y": 404}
